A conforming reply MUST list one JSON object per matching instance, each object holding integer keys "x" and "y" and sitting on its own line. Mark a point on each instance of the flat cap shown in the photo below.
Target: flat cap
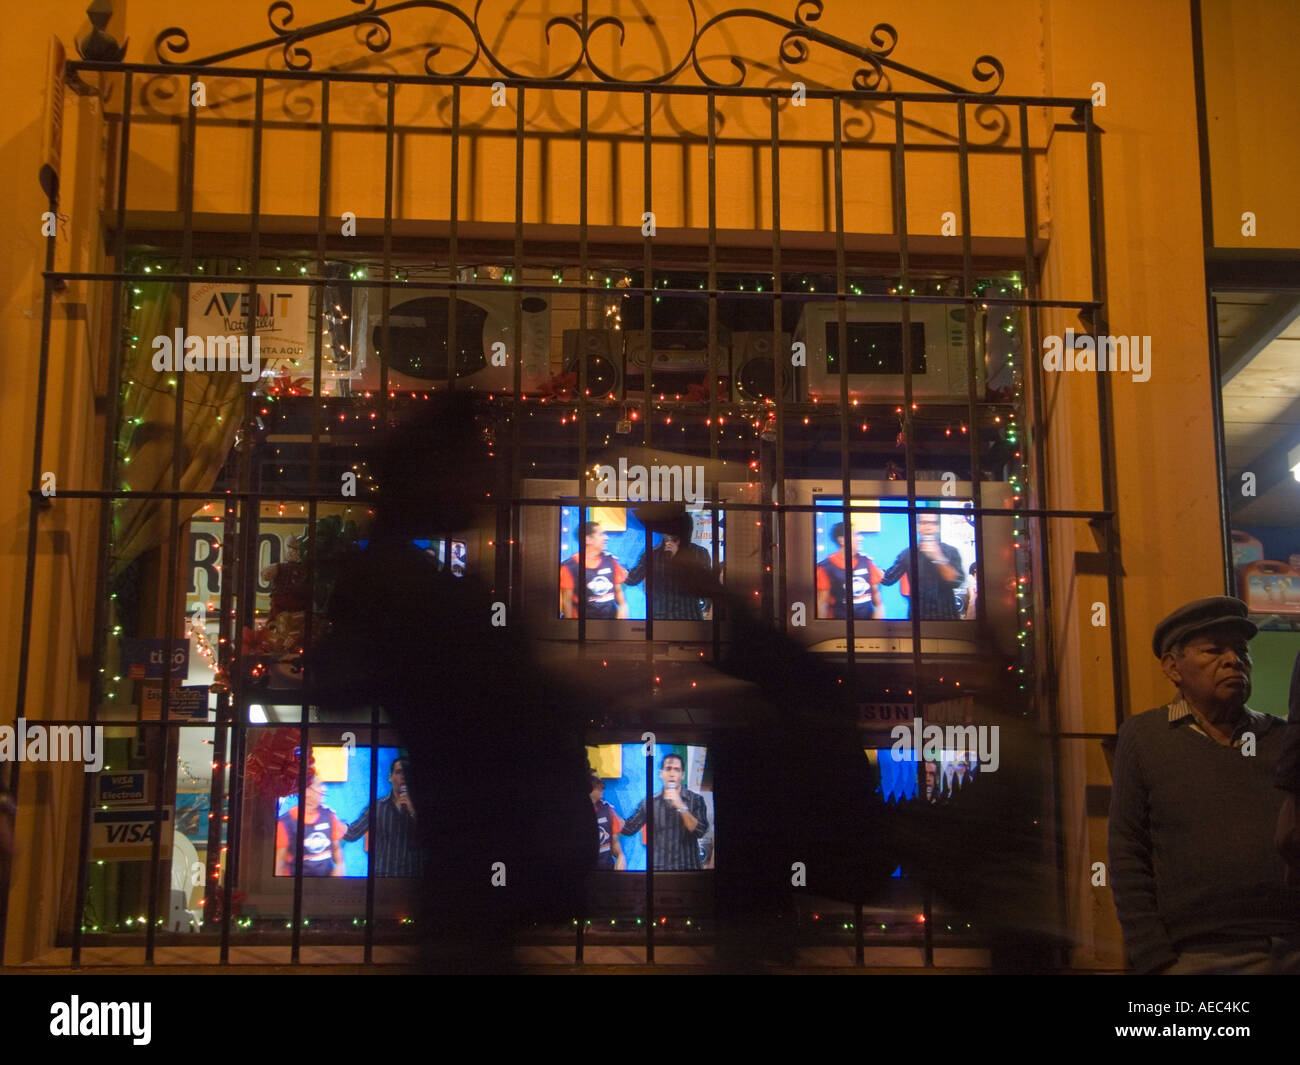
{"x": 1199, "y": 615}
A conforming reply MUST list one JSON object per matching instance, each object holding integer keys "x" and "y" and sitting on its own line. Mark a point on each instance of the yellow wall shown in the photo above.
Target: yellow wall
{"x": 1253, "y": 117}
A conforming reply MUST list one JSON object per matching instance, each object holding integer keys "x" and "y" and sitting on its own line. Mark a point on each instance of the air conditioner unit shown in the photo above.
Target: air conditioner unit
{"x": 486, "y": 346}
{"x": 753, "y": 367}
{"x": 874, "y": 361}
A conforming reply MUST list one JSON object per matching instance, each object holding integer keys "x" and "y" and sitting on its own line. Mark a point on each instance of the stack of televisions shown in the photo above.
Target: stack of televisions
{"x": 972, "y": 630}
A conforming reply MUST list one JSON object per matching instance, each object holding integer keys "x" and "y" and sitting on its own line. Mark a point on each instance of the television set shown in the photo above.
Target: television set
{"x": 551, "y": 528}
{"x": 682, "y": 776}
{"x": 971, "y": 622}
{"x": 341, "y": 832}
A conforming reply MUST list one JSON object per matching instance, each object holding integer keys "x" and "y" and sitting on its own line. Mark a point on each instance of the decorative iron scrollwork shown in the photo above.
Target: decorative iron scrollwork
{"x": 172, "y": 44}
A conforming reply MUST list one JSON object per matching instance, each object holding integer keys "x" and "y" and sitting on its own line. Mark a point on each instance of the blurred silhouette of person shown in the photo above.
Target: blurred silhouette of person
{"x": 487, "y": 732}
{"x": 985, "y": 851}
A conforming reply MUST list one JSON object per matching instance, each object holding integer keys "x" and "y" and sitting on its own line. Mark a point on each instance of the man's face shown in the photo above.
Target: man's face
{"x": 397, "y": 778}
{"x": 1214, "y": 667}
{"x": 927, "y": 526}
{"x": 671, "y": 544}
{"x": 596, "y": 539}
{"x": 671, "y": 772}
{"x": 597, "y": 789}
{"x": 315, "y": 792}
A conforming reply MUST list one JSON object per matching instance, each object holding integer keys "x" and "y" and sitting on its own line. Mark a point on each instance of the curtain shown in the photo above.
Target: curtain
{"x": 213, "y": 407}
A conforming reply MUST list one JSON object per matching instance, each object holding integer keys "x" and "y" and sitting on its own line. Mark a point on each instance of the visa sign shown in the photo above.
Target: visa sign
{"x": 126, "y": 834}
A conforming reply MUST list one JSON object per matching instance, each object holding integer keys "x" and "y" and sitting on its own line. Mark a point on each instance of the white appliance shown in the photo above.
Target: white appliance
{"x": 875, "y": 351}
{"x": 486, "y": 345}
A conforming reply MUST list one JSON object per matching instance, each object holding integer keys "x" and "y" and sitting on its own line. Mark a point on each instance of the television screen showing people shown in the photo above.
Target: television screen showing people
{"x": 681, "y": 806}
{"x": 610, "y": 542}
{"x": 867, "y": 570}
{"x": 343, "y": 831}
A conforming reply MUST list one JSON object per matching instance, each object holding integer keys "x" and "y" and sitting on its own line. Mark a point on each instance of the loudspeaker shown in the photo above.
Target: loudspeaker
{"x": 602, "y": 352}
{"x": 674, "y": 359}
{"x": 753, "y": 376}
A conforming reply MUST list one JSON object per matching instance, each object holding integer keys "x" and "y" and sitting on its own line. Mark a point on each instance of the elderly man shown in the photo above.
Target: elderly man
{"x": 1196, "y": 881}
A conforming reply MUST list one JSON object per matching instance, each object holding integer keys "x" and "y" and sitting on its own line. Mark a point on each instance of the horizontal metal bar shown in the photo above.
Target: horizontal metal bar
{"x": 658, "y": 88}
{"x": 593, "y": 501}
{"x": 541, "y": 286}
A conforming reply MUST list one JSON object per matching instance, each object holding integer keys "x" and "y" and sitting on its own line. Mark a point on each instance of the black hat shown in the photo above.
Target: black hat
{"x": 1199, "y": 615}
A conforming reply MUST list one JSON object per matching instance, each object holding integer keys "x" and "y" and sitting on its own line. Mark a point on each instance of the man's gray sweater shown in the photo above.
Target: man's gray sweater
{"x": 1191, "y": 838}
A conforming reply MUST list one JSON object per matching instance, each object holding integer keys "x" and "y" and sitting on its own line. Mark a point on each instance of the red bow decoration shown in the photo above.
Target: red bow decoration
{"x": 272, "y": 765}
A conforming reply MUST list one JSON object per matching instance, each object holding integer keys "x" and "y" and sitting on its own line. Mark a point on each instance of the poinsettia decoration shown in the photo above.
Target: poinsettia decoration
{"x": 561, "y": 386}
{"x": 699, "y": 392}
{"x": 285, "y": 384}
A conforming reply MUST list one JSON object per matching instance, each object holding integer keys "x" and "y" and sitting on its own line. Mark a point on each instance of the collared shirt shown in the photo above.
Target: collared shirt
{"x": 936, "y": 599}
{"x": 675, "y": 848}
{"x": 1180, "y": 712}
{"x": 393, "y": 844}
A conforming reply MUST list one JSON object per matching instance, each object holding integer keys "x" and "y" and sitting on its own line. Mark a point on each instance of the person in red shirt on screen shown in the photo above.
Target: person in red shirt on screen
{"x": 322, "y": 852}
{"x": 608, "y": 824}
{"x": 605, "y": 578}
{"x": 831, "y": 582}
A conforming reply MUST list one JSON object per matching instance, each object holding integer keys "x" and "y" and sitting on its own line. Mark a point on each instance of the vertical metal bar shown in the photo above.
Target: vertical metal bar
{"x": 584, "y": 514}
{"x": 780, "y": 367}
{"x": 859, "y": 937}
{"x": 368, "y": 929}
{"x": 509, "y": 556}
{"x": 712, "y": 380}
{"x": 841, "y": 288}
{"x": 372, "y": 809}
{"x": 1203, "y": 132}
{"x": 649, "y": 856}
{"x": 647, "y": 324}
{"x": 713, "y": 277}
{"x": 108, "y": 468}
{"x": 1044, "y": 651}
{"x": 973, "y": 395}
{"x": 927, "y": 936}
{"x": 647, "y": 317}
{"x": 33, "y": 507}
{"x": 172, "y": 553}
{"x": 1101, "y": 319}
{"x": 246, "y": 572}
{"x": 218, "y": 874}
{"x": 453, "y": 238}
{"x": 909, "y": 427}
